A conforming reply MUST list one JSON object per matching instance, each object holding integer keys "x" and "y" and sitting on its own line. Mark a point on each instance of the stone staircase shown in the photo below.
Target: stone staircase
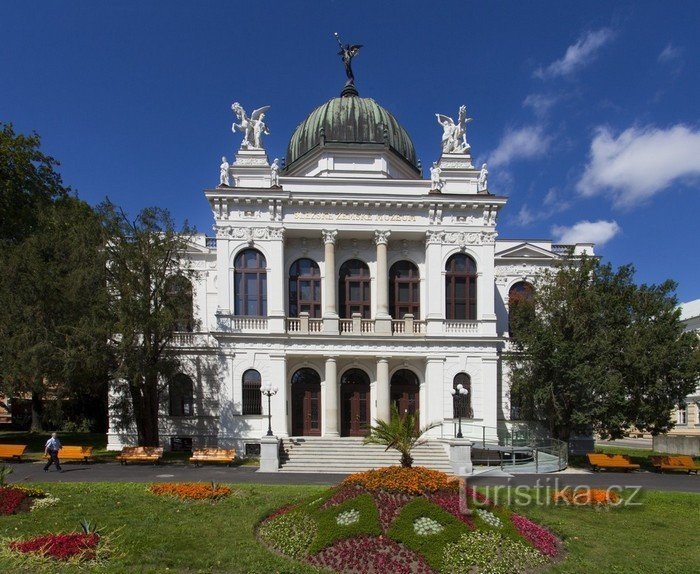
{"x": 348, "y": 454}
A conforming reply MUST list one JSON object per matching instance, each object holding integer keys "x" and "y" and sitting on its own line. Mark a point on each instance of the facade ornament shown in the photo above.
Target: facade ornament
{"x": 253, "y": 127}
{"x": 275, "y": 232}
{"x": 381, "y": 237}
{"x": 224, "y": 179}
{"x": 436, "y": 183}
{"x": 488, "y": 237}
{"x": 434, "y": 237}
{"x": 482, "y": 183}
{"x": 275, "y": 173}
{"x": 454, "y": 135}
{"x": 347, "y": 53}
{"x": 329, "y": 235}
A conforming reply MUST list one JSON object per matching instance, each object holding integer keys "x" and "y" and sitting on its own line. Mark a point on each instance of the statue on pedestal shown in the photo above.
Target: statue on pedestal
{"x": 454, "y": 135}
{"x": 253, "y": 127}
{"x": 223, "y": 173}
{"x": 435, "y": 182}
{"x": 275, "y": 173}
{"x": 482, "y": 183}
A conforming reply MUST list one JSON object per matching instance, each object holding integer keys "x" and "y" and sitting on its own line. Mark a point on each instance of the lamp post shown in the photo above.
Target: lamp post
{"x": 268, "y": 390}
{"x": 460, "y": 393}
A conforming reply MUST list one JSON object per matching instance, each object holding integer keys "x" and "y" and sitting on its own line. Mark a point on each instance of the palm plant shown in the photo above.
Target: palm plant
{"x": 401, "y": 432}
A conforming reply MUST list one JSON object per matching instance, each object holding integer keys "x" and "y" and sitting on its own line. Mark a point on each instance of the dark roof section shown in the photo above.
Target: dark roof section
{"x": 350, "y": 119}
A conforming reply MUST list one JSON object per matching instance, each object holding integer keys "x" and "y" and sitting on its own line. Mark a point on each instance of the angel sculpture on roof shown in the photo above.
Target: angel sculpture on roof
{"x": 347, "y": 53}
{"x": 454, "y": 135}
{"x": 253, "y": 127}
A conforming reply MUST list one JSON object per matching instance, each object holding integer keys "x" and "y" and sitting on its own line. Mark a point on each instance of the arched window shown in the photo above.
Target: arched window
{"x": 519, "y": 294}
{"x": 252, "y": 398}
{"x": 250, "y": 284}
{"x": 404, "y": 290}
{"x": 462, "y": 404}
{"x": 181, "y": 391}
{"x": 354, "y": 289}
{"x": 460, "y": 288}
{"x": 179, "y": 293}
{"x": 304, "y": 288}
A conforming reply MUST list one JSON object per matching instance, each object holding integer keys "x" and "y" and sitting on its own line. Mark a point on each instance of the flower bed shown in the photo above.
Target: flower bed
{"x": 60, "y": 546}
{"x": 541, "y": 538}
{"x": 11, "y": 500}
{"x": 190, "y": 490}
{"x": 414, "y": 481}
{"x": 587, "y": 497}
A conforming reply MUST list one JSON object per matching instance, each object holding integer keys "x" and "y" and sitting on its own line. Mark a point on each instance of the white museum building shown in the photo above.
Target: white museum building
{"x": 350, "y": 282}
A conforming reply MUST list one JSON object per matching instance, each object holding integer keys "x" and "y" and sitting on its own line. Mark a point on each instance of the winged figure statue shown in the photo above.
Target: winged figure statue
{"x": 347, "y": 53}
{"x": 454, "y": 135}
{"x": 253, "y": 127}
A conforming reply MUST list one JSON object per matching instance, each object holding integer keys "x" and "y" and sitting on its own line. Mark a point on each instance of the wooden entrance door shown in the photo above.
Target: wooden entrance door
{"x": 405, "y": 390}
{"x": 354, "y": 403}
{"x": 306, "y": 403}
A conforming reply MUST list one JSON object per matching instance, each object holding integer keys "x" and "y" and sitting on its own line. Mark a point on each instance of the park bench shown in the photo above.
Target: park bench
{"x": 12, "y": 451}
{"x": 611, "y": 462}
{"x": 140, "y": 454}
{"x": 681, "y": 463}
{"x": 201, "y": 455}
{"x": 82, "y": 453}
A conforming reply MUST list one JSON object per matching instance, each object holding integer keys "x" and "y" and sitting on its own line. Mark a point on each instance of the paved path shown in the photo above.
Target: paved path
{"x": 113, "y": 472}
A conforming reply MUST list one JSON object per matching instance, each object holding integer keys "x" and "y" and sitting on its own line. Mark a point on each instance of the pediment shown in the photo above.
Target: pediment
{"x": 525, "y": 251}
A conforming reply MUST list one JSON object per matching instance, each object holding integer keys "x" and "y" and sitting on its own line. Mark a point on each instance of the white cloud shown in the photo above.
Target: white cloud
{"x": 577, "y": 55}
{"x": 525, "y": 216}
{"x": 670, "y": 54}
{"x": 640, "y": 162}
{"x": 540, "y": 103}
{"x": 598, "y": 232}
{"x": 523, "y": 143}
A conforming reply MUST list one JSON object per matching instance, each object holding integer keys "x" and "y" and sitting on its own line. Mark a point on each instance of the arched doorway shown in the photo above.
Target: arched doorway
{"x": 306, "y": 403}
{"x": 354, "y": 403}
{"x": 405, "y": 390}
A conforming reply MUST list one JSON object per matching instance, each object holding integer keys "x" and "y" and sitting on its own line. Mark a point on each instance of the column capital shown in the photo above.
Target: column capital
{"x": 329, "y": 235}
{"x": 381, "y": 237}
{"x": 382, "y": 359}
{"x": 332, "y": 359}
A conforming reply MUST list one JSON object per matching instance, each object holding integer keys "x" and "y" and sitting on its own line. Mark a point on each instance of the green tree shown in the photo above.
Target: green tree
{"x": 52, "y": 306}
{"x": 400, "y": 432}
{"x": 593, "y": 351}
{"x": 144, "y": 257}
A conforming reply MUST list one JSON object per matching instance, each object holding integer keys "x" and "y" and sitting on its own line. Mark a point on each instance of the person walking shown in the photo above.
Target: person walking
{"x": 53, "y": 445}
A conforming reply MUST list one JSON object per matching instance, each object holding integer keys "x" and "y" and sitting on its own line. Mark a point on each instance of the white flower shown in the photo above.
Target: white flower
{"x": 45, "y": 502}
{"x": 489, "y": 518}
{"x": 348, "y": 517}
{"x": 425, "y": 526}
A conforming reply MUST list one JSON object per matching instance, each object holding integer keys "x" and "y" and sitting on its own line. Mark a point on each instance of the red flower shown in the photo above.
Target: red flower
{"x": 10, "y": 499}
{"x": 60, "y": 546}
{"x": 541, "y": 538}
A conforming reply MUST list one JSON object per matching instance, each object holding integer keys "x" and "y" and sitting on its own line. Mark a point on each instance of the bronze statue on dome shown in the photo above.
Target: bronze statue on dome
{"x": 347, "y": 53}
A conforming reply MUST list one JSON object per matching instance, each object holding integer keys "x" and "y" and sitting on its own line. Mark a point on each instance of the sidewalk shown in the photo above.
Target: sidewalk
{"x": 114, "y": 472}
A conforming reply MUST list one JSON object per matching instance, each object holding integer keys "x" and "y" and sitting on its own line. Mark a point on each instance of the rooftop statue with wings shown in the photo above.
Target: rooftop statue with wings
{"x": 253, "y": 127}
{"x": 347, "y": 53}
{"x": 454, "y": 135}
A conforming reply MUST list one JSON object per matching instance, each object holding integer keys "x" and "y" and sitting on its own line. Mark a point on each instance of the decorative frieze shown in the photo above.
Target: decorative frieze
{"x": 327, "y": 216}
{"x": 250, "y": 234}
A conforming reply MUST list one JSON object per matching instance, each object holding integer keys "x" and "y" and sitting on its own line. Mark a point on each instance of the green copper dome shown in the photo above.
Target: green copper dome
{"x": 350, "y": 119}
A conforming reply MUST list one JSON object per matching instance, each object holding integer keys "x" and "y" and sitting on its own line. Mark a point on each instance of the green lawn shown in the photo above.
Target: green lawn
{"x": 152, "y": 534}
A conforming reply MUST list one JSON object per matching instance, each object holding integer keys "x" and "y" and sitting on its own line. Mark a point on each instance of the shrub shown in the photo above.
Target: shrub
{"x": 330, "y": 531}
{"x": 11, "y": 499}
{"x": 190, "y": 490}
{"x": 60, "y": 546}
{"x": 431, "y": 547}
{"x": 415, "y": 481}
{"x": 489, "y": 552}
{"x": 291, "y": 533}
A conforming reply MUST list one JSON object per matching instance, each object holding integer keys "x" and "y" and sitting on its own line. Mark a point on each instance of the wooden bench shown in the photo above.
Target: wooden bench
{"x": 12, "y": 451}
{"x": 140, "y": 454}
{"x": 611, "y": 462}
{"x": 82, "y": 453}
{"x": 682, "y": 463}
{"x": 201, "y": 455}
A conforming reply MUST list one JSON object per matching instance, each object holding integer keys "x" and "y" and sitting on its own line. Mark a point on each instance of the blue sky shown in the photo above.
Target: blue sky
{"x": 586, "y": 112}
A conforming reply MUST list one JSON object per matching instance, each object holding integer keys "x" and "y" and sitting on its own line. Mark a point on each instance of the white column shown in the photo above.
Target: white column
{"x": 381, "y": 238}
{"x": 278, "y": 403}
{"x": 489, "y": 391}
{"x": 434, "y": 282}
{"x": 330, "y": 398}
{"x": 433, "y": 394}
{"x": 330, "y": 313}
{"x": 383, "y": 393}
{"x": 224, "y": 295}
{"x": 486, "y": 289}
{"x": 276, "y": 281}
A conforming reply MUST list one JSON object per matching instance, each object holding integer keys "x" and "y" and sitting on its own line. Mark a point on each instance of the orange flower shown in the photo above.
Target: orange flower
{"x": 584, "y": 496}
{"x": 190, "y": 490}
{"x": 415, "y": 481}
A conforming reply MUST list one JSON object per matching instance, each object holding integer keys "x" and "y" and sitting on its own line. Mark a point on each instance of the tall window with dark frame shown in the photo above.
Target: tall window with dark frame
{"x": 354, "y": 289}
{"x": 304, "y": 288}
{"x": 179, "y": 293}
{"x": 460, "y": 288}
{"x": 462, "y": 406}
{"x": 404, "y": 290}
{"x": 250, "y": 284}
{"x": 520, "y": 294}
{"x": 252, "y": 397}
{"x": 181, "y": 394}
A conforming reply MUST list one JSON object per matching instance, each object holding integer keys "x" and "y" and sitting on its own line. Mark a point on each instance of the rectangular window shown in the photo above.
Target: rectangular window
{"x": 682, "y": 415}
